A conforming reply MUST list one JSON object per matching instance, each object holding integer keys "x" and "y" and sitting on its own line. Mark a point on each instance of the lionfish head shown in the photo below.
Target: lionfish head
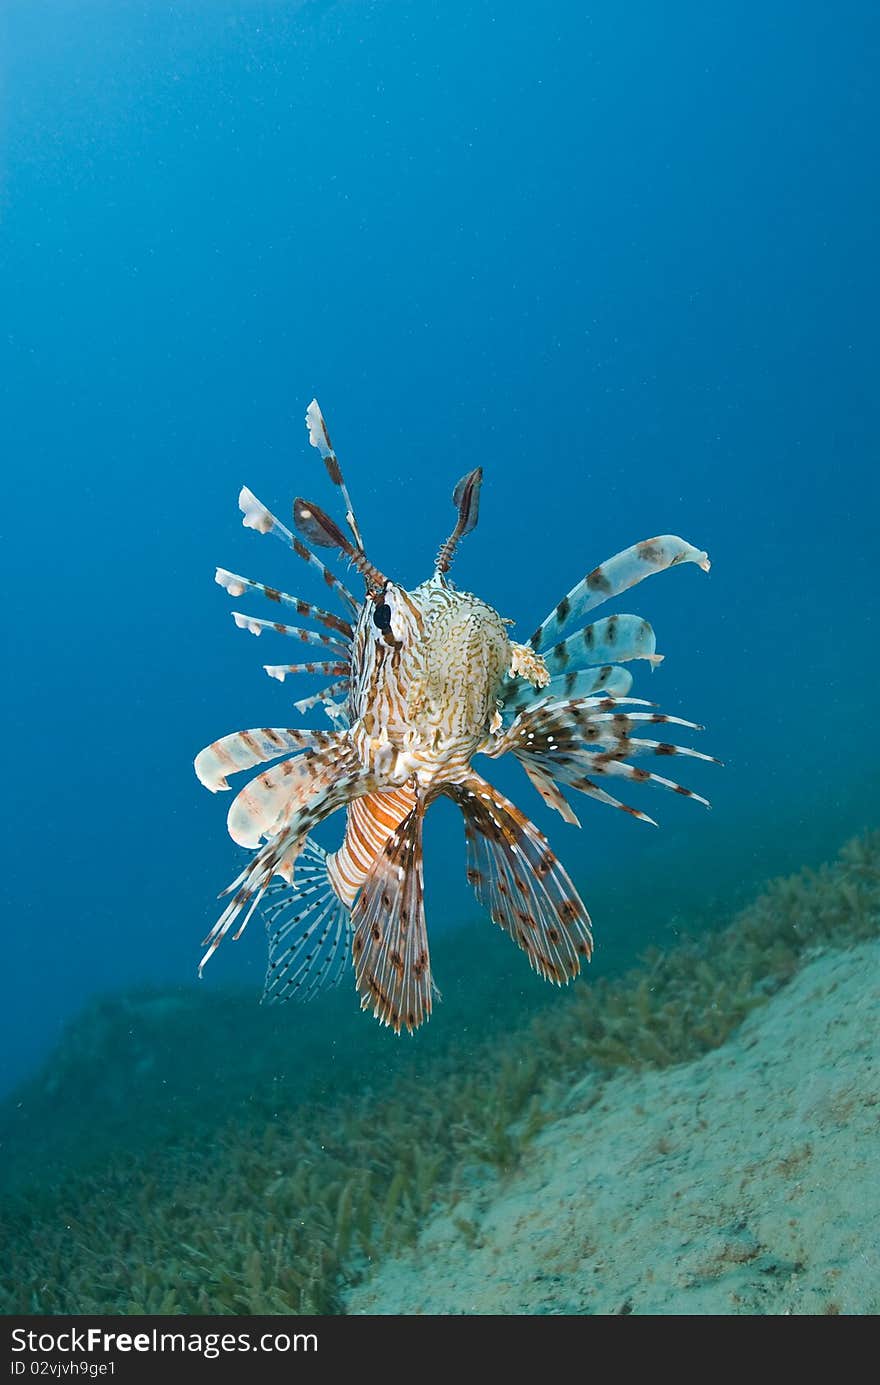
{"x": 427, "y": 661}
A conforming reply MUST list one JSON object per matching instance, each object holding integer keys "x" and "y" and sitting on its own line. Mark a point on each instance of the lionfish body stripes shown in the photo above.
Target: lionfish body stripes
{"x": 426, "y": 680}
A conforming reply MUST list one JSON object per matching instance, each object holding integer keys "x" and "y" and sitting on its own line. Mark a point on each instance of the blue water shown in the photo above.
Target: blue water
{"x": 624, "y": 257}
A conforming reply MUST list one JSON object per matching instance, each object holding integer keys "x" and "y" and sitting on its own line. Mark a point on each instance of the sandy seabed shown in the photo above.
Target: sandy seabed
{"x": 745, "y": 1182}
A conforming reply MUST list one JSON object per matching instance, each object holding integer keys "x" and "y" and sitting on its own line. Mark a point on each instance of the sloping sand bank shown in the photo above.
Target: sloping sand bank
{"x": 745, "y": 1182}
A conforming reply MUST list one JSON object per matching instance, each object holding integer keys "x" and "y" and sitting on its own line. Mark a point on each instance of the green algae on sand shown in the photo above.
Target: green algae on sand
{"x": 278, "y": 1213}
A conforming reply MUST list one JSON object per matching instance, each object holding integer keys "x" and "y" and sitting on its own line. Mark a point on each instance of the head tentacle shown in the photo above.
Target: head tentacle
{"x": 319, "y": 528}
{"x": 466, "y": 497}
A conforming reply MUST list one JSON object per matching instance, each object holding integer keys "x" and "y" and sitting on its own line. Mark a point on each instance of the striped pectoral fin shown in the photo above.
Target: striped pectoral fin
{"x": 613, "y": 639}
{"x": 271, "y": 802}
{"x": 275, "y": 857}
{"x": 519, "y": 881}
{"x": 614, "y": 764}
{"x": 550, "y": 792}
{"x": 390, "y": 941}
{"x": 567, "y": 721}
{"x": 586, "y": 786}
{"x": 617, "y": 575}
{"x": 609, "y": 680}
{"x": 245, "y": 893}
{"x": 594, "y": 724}
{"x": 244, "y": 749}
{"x": 636, "y": 746}
{"x": 573, "y": 742}
{"x": 285, "y": 806}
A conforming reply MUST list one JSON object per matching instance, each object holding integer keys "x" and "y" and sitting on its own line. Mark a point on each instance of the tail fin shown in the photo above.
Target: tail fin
{"x": 308, "y": 929}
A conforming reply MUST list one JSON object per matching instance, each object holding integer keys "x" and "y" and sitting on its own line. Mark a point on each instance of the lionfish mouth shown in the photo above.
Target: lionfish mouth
{"x": 559, "y": 704}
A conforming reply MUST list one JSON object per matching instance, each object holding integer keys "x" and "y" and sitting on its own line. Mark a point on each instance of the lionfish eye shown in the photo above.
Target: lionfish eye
{"x": 382, "y": 616}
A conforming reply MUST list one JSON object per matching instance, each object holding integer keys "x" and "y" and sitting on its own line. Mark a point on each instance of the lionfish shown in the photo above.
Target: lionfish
{"x": 427, "y": 679}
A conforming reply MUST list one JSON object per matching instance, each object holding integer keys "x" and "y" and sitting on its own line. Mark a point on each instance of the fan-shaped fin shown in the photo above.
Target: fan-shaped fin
{"x": 332, "y": 780}
{"x": 517, "y": 696}
{"x": 571, "y": 742}
{"x": 271, "y": 802}
{"x": 308, "y": 931}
